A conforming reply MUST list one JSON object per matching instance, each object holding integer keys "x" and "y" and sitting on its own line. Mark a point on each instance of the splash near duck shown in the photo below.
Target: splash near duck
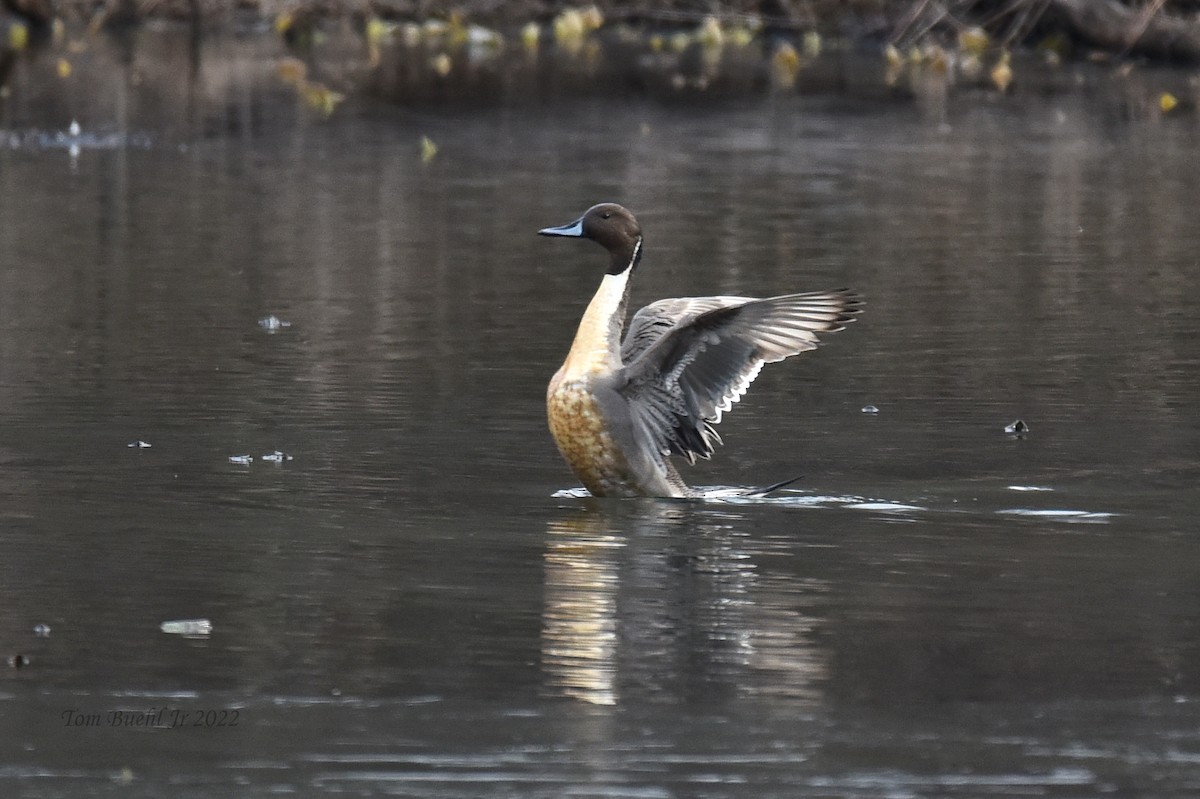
{"x": 618, "y": 407}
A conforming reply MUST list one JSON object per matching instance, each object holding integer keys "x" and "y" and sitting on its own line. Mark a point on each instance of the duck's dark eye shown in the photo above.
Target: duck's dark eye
{"x": 606, "y": 215}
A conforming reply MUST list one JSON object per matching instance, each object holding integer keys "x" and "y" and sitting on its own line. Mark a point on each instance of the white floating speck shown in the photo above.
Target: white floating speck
{"x": 41, "y": 630}
{"x": 241, "y": 460}
{"x": 191, "y": 628}
{"x": 571, "y": 493}
{"x": 870, "y": 409}
{"x": 273, "y": 322}
{"x": 139, "y": 444}
{"x": 1017, "y": 427}
{"x": 1029, "y": 488}
{"x": 898, "y": 507}
{"x": 277, "y": 457}
{"x": 74, "y": 129}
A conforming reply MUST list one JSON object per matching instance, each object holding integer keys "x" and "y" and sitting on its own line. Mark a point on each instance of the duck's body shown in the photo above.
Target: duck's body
{"x": 589, "y": 416}
{"x": 618, "y": 409}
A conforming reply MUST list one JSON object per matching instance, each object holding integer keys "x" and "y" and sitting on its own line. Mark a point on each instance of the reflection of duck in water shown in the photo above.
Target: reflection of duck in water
{"x": 618, "y": 409}
{"x": 610, "y": 607}
{"x": 579, "y": 619}
{"x": 660, "y": 600}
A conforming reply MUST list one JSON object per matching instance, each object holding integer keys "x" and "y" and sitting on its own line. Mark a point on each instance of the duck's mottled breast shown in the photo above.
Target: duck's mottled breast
{"x": 579, "y": 428}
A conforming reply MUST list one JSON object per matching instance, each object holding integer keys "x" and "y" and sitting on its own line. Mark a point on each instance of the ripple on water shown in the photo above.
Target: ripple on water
{"x": 729, "y": 495}
{"x": 1061, "y": 514}
{"x": 74, "y": 139}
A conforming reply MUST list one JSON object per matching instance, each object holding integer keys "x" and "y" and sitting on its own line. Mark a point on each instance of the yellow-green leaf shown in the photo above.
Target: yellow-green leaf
{"x": 428, "y": 149}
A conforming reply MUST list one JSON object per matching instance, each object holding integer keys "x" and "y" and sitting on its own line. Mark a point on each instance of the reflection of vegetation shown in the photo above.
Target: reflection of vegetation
{"x": 495, "y": 52}
{"x": 316, "y": 96}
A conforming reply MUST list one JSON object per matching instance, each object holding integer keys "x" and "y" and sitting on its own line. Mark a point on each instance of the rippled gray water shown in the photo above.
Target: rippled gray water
{"x": 939, "y": 609}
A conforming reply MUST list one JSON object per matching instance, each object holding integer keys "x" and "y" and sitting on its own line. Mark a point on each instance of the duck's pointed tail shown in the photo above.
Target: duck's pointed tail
{"x": 762, "y": 492}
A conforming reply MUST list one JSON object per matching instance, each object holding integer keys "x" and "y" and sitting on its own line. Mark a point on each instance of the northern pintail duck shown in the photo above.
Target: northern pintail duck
{"x": 619, "y": 409}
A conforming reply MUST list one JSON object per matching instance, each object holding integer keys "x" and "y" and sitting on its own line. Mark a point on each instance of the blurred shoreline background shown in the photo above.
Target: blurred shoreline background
{"x": 55, "y": 54}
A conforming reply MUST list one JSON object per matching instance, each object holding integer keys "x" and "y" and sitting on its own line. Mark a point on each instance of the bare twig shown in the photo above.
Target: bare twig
{"x": 1107, "y": 24}
{"x": 914, "y": 13}
{"x": 939, "y": 13}
{"x": 1025, "y": 21}
{"x": 1143, "y": 21}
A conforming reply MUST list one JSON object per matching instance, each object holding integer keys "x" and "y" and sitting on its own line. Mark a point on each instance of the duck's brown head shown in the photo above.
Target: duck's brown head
{"x": 613, "y": 228}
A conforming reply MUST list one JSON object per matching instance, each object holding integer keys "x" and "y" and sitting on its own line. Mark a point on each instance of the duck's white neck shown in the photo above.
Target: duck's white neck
{"x": 597, "y": 345}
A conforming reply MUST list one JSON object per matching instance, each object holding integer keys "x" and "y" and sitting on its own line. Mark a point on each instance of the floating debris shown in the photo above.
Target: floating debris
{"x": 378, "y": 32}
{"x": 41, "y": 630}
{"x": 974, "y": 41}
{"x": 292, "y": 70}
{"x": 18, "y": 36}
{"x": 592, "y": 18}
{"x": 573, "y": 25}
{"x": 429, "y": 149}
{"x": 189, "y": 628}
{"x": 298, "y": 27}
{"x": 710, "y": 33}
{"x": 895, "y": 65}
{"x": 870, "y": 409}
{"x": 1016, "y": 428}
{"x": 811, "y": 44}
{"x": 679, "y": 41}
{"x": 18, "y": 661}
{"x": 64, "y": 68}
{"x": 785, "y": 65}
{"x": 139, "y": 444}
{"x": 276, "y": 457}
{"x": 740, "y": 37}
{"x": 970, "y": 66}
{"x": 1029, "y": 488}
{"x": 241, "y": 460}
{"x": 410, "y": 34}
{"x": 441, "y": 65}
{"x": 568, "y": 26}
{"x": 434, "y": 28}
{"x": 316, "y": 96}
{"x": 320, "y": 97}
{"x": 937, "y": 59}
{"x": 531, "y": 36}
{"x": 483, "y": 41}
{"x": 893, "y": 56}
{"x": 1167, "y": 102}
{"x": 273, "y": 322}
{"x": 1002, "y": 73}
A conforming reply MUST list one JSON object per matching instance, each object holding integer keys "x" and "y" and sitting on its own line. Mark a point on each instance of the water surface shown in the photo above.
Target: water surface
{"x": 938, "y": 609}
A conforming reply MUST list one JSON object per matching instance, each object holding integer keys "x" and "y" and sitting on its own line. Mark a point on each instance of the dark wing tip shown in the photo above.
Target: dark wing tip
{"x": 854, "y": 300}
{"x": 852, "y": 305}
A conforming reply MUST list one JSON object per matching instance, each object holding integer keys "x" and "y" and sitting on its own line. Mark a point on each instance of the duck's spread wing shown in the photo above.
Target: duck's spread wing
{"x": 658, "y": 318}
{"x": 691, "y": 372}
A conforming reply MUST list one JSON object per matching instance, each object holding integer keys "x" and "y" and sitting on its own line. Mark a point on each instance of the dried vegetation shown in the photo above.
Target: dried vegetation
{"x": 428, "y": 49}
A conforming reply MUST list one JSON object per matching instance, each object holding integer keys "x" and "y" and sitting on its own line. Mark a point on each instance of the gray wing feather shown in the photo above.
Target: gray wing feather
{"x": 685, "y": 373}
{"x": 650, "y": 323}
